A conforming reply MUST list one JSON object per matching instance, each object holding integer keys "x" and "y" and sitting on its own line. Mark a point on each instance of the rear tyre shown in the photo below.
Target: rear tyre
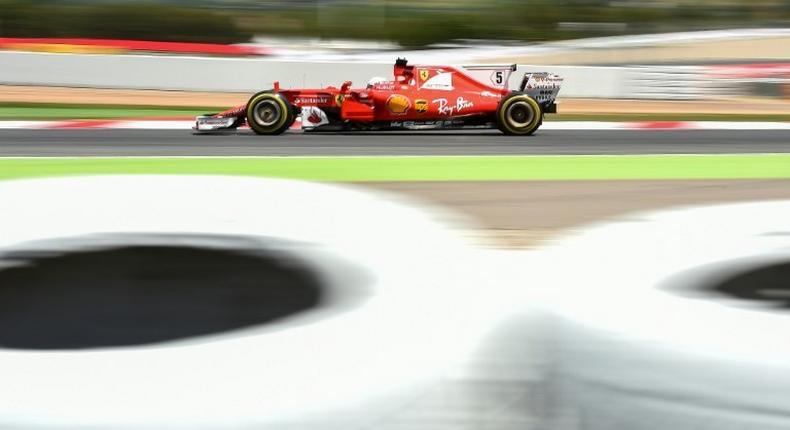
{"x": 269, "y": 113}
{"x": 518, "y": 114}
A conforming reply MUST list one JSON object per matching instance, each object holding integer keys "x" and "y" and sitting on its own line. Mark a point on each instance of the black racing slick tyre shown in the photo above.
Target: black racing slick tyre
{"x": 518, "y": 114}
{"x": 269, "y": 113}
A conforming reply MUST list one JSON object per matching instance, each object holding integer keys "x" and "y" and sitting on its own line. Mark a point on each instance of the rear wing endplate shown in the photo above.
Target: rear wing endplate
{"x": 495, "y": 75}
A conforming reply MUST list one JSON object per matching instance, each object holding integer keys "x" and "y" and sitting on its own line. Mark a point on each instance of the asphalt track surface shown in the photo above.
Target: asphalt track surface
{"x": 479, "y": 142}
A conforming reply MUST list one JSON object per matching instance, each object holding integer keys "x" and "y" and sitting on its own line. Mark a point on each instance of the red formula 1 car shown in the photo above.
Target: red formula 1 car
{"x": 419, "y": 97}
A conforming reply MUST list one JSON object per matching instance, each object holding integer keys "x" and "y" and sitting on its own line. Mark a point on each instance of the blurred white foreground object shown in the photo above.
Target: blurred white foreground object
{"x": 672, "y": 320}
{"x": 412, "y": 332}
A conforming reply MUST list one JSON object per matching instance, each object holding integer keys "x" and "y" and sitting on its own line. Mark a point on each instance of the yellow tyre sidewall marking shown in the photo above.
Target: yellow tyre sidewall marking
{"x": 529, "y": 101}
{"x": 283, "y": 111}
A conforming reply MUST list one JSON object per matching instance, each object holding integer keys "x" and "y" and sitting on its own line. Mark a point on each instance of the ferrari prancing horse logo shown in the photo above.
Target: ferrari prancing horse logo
{"x": 424, "y": 74}
{"x": 339, "y": 99}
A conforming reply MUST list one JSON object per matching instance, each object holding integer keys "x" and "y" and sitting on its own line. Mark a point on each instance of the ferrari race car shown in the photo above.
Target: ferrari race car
{"x": 419, "y": 97}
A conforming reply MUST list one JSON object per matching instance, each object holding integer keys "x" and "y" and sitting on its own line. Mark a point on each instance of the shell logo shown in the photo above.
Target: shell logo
{"x": 398, "y": 104}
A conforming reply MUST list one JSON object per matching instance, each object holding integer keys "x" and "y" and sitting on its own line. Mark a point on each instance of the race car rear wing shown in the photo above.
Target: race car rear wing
{"x": 543, "y": 87}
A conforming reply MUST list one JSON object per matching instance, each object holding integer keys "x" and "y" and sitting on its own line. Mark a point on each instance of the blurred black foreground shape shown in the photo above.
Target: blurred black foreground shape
{"x": 136, "y": 295}
{"x": 769, "y": 284}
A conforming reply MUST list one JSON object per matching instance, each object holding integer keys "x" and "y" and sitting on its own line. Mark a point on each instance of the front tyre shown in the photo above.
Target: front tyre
{"x": 518, "y": 114}
{"x": 269, "y": 113}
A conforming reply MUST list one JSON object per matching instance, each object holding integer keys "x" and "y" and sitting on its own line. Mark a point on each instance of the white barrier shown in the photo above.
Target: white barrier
{"x": 253, "y": 74}
{"x": 411, "y": 332}
{"x": 649, "y": 331}
{"x": 177, "y": 73}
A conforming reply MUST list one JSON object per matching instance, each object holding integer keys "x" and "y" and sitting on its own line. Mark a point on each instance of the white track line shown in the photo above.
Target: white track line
{"x": 558, "y": 125}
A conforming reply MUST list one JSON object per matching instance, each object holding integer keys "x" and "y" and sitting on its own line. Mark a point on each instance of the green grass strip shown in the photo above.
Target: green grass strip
{"x": 58, "y": 111}
{"x": 476, "y": 168}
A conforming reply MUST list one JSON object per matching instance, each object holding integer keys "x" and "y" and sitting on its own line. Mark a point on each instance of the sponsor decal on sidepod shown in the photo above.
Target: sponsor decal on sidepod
{"x": 398, "y": 104}
{"x": 460, "y": 104}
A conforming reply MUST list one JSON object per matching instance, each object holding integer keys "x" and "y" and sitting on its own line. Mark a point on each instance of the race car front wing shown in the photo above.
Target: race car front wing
{"x": 209, "y": 123}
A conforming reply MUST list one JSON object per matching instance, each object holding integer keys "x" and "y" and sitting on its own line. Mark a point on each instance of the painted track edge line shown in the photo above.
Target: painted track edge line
{"x": 143, "y": 124}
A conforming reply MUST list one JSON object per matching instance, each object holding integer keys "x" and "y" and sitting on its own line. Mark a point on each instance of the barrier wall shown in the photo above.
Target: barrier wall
{"x": 176, "y": 73}
{"x": 252, "y": 74}
{"x": 248, "y": 74}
